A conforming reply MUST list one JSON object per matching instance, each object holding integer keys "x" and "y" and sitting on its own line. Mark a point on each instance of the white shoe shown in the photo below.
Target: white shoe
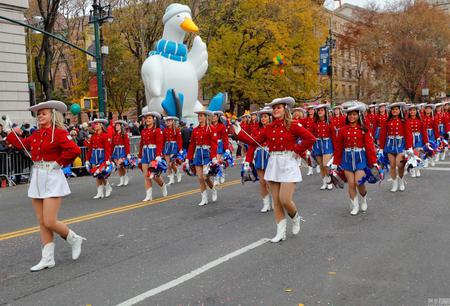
{"x": 266, "y": 204}
{"x": 413, "y": 173}
{"x": 436, "y": 159}
{"x": 148, "y": 195}
{"x": 75, "y": 242}
{"x": 164, "y": 190}
{"x": 99, "y": 194}
{"x": 324, "y": 184}
{"x": 310, "y": 171}
{"x": 204, "y": 198}
{"x": 214, "y": 195}
{"x": 108, "y": 190}
{"x": 443, "y": 154}
{"x": 47, "y": 259}
{"x": 281, "y": 232}
{"x": 425, "y": 163}
{"x": 329, "y": 184}
{"x": 296, "y": 224}
{"x": 179, "y": 175}
{"x": 171, "y": 179}
{"x": 317, "y": 169}
{"x": 432, "y": 162}
{"x": 121, "y": 181}
{"x": 418, "y": 172}
{"x": 401, "y": 185}
{"x": 394, "y": 185}
{"x": 364, "y": 203}
{"x": 355, "y": 206}
{"x": 126, "y": 180}
{"x": 222, "y": 179}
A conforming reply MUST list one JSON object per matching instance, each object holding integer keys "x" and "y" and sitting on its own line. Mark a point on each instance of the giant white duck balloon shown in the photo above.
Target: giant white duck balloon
{"x": 170, "y": 68}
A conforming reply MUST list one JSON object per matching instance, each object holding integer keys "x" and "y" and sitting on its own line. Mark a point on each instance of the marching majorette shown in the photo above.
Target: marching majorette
{"x": 259, "y": 156}
{"x": 298, "y": 114}
{"x": 441, "y": 123}
{"x": 308, "y": 123}
{"x": 323, "y": 149}
{"x": 338, "y": 118}
{"x": 50, "y": 148}
{"x": 414, "y": 123}
{"x": 282, "y": 171}
{"x": 382, "y": 117}
{"x": 354, "y": 152}
{"x": 121, "y": 151}
{"x": 173, "y": 144}
{"x": 202, "y": 151}
{"x": 371, "y": 119}
{"x": 99, "y": 152}
{"x": 223, "y": 143}
{"x": 430, "y": 129}
{"x": 395, "y": 139}
{"x": 151, "y": 150}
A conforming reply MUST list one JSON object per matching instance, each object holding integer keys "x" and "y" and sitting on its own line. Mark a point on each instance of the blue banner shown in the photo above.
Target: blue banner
{"x": 324, "y": 60}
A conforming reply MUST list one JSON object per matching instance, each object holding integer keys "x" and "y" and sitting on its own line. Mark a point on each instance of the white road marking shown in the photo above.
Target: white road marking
{"x": 443, "y": 163}
{"x": 192, "y": 274}
{"x": 436, "y": 169}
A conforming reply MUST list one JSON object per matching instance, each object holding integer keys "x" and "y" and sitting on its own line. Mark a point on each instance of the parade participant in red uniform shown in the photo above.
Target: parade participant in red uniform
{"x": 203, "y": 150}
{"x": 242, "y": 148}
{"x": 430, "y": 129}
{"x": 447, "y": 124}
{"x": 414, "y": 124}
{"x": 323, "y": 149}
{"x": 99, "y": 151}
{"x": 50, "y": 148}
{"x": 381, "y": 120}
{"x": 254, "y": 122}
{"x": 371, "y": 119}
{"x": 395, "y": 139}
{"x": 151, "y": 149}
{"x": 121, "y": 150}
{"x": 441, "y": 123}
{"x": 173, "y": 144}
{"x": 259, "y": 156}
{"x": 298, "y": 114}
{"x": 223, "y": 143}
{"x": 338, "y": 118}
{"x": 308, "y": 123}
{"x": 282, "y": 170}
{"x": 354, "y": 152}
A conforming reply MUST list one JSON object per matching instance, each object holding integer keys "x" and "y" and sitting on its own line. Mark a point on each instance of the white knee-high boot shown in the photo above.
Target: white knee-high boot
{"x": 75, "y": 242}
{"x": 47, "y": 259}
{"x": 281, "y": 232}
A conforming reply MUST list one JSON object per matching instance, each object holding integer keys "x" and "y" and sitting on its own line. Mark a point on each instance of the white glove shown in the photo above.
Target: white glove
{"x": 227, "y": 151}
{"x": 158, "y": 158}
{"x": 333, "y": 167}
{"x": 308, "y": 153}
{"x": 410, "y": 151}
{"x": 381, "y": 151}
{"x": 186, "y": 162}
{"x": 87, "y": 165}
{"x": 246, "y": 165}
{"x": 427, "y": 144}
{"x": 237, "y": 127}
{"x": 181, "y": 151}
{"x": 129, "y": 156}
{"x": 214, "y": 160}
{"x": 108, "y": 163}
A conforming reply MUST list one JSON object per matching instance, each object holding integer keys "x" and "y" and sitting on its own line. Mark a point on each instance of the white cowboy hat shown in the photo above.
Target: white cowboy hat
{"x": 301, "y": 109}
{"x": 51, "y": 104}
{"x": 170, "y": 118}
{"x": 218, "y": 113}
{"x": 121, "y": 122}
{"x": 359, "y": 107}
{"x": 323, "y": 105}
{"x": 289, "y": 101}
{"x": 265, "y": 110}
{"x": 204, "y": 111}
{"x": 98, "y": 120}
{"x": 397, "y": 104}
{"x": 153, "y": 114}
{"x": 433, "y": 106}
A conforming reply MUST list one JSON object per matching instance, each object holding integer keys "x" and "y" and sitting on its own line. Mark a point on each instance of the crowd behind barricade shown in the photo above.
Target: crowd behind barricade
{"x": 15, "y": 166}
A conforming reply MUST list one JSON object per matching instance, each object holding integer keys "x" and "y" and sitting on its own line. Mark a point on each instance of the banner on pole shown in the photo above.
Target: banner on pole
{"x": 324, "y": 65}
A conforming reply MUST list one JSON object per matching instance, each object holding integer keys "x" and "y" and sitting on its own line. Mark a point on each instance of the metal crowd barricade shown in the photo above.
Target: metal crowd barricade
{"x": 134, "y": 145}
{"x": 4, "y": 166}
{"x": 82, "y": 157}
{"x": 19, "y": 164}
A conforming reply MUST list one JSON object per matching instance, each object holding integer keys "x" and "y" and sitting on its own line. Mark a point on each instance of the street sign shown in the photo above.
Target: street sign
{"x": 425, "y": 91}
{"x": 324, "y": 60}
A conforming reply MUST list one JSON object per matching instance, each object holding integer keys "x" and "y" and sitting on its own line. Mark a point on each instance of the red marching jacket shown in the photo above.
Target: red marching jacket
{"x": 354, "y": 137}
{"x": 416, "y": 126}
{"x": 203, "y": 136}
{"x": 428, "y": 122}
{"x": 308, "y": 123}
{"x": 322, "y": 129}
{"x": 221, "y": 134}
{"x": 279, "y": 138}
{"x": 120, "y": 139}
{"x": 381, "y": 120}
{"x": 152, "y": 136}
{"x": 173, "y": 134}
{"x": 371, "y": 122}
{"x": 396, "y": 127}
{"x": 63, "y": 150}
{"x": 441, "y": 118}
{"x": 100, "y": 141}
{"x": 251, "y": 148}
{"x": 338, "y": 121}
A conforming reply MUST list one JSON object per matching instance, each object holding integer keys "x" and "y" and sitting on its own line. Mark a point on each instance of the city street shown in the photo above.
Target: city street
{"x": 172, "y": 252}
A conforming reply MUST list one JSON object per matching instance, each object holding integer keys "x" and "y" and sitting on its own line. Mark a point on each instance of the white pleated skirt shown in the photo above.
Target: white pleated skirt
{"x": 283, "y": 168}
{"x": 47, "y": 184}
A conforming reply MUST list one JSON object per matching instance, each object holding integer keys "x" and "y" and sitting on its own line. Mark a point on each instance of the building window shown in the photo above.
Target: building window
{"x": 64, "y": 83}
{"x": 350, "y": 73}
{"x": 343, "y": 90}
{"x": 350, "y": 90}
{"x": 343, "y": 72}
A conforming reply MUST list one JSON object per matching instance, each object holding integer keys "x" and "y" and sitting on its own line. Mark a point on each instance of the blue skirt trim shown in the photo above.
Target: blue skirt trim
{"x": 261, "y": 158}
{"x": 148, "y": 154}
{"x": 354, "y": 159}
{"x": 201, "y": 157}
{"x": 118, "y": 152}
{"x": 431, "y": 136}
{"x": 97, "y": 157}
{"x": 323, "y": 146}
{"x": 417, "y": 140}
{"x": 170, "y": 148}
{"x": 220, "y": 148}
{"x": 395, "y": 145}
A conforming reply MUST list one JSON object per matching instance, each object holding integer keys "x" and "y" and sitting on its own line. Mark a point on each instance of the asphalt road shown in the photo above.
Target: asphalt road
{"x": 177, "y": 253}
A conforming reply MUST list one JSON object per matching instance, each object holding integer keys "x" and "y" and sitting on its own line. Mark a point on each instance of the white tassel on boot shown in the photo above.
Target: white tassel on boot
{"x": 171, "y": 179}
{"x": 108, "y": 189}
{"x": 364, "y": 203}
{"x": 310, "y": 171}
{"x": 204, "y": 198}
{"x": 401, "y": 183}
{"x": 99, "y": 194}
{"x": 75, "y": 242}
{"x": 214, "y": 195}
{"x": 148, "y": 195}
{"x": 266, "y": 204}
{"x": 281, "y": 232}
{"x": 355, "y": 206}
{"x": 324, "y": 183}
{"x": 47, "y": 259}
{"x": 394, "y": 185}
{"x": 121, "y": 181}
{"x": 296, "y": 224}
{"x": 164, "y": 189}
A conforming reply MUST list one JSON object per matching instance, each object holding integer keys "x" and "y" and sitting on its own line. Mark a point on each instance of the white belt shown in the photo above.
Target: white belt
{"x": 354, "y": 149}
{"x": 150, "y": 146}
{"x": 282, "y": 153}
{"x": 416, "y": 133}
{"x": 327, "y": 138}
{"x": 203, "y": 147}
{"x": 101, "y": 149}
{"x": 119, "y": 146}
{"x": 47, "y": 165}
{"x": 172, "y": 141}
{"x": 395, "y": 137}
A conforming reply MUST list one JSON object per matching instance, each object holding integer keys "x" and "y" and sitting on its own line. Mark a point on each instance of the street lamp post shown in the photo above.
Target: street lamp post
{"x": 331, "y": 43}
{"x": 98, "y": 15}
